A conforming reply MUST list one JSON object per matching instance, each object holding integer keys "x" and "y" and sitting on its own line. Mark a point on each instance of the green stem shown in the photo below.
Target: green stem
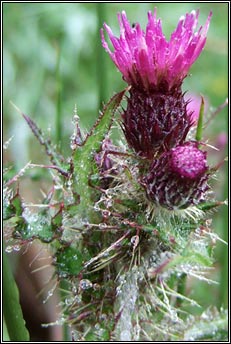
{"x": 102, "y": 58}
{"x": 11, "y": 306}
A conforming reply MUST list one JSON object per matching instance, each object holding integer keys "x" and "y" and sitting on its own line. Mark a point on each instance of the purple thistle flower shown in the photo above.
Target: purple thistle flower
{"x": 156, "y": 118}
{"x": 178, "y": 178}
{"x": 147, "y": 60}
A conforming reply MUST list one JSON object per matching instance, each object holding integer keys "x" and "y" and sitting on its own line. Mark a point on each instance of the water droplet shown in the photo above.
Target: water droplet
{"x": 57, "y": 187}
{"x": 9, "y": 249}
{"x": 16, "y": 248}
{"x": 63, "y": 275}
{"x": 75, "y": 119}
{"x": 6, "y": 144}
{"x": 96, "y": 286}
{"x": 85, "y": 284}
{"x": 74, "y": 289}
{"x": 68, "y": 301}
{"x": 49, "y": 294}
{"x": 102, "y": 225}
{"x": 135, "y": 240}
{"x": 103, "y": 317}
{"x": 97, "y": 326}
{"x": 106, "y": 213}
{"x": 125, "y": 336}
{"x": 69, "y": 182}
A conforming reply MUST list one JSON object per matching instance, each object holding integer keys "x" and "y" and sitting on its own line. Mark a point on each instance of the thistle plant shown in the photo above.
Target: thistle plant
{"x": 128, "y": 222}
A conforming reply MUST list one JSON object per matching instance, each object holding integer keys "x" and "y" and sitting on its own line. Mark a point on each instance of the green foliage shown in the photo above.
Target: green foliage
{"x": 211, "y": 326}
{"x": 199, "y": 131}
{"x": 13, "y": 316}
{"x": 12, "y": 207}
{"x": 122, "y": 262}
{"x": 84, "y": 156}
{"x": 98, "y": 236}
{"x": 68, "y": 262}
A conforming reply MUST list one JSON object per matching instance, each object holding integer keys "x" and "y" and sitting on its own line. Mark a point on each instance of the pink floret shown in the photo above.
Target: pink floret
{"x": 147, "y": 59}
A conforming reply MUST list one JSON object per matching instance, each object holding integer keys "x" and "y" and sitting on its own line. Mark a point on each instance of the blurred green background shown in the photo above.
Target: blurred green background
{"x": 53, "y": 59}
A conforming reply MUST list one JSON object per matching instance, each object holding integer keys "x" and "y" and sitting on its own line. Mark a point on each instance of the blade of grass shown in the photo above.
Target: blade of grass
{"x": 11, "y": 306}
{"x": 58, "y": 119}
{"x": 200, "y": 121}
{"x": 101, "y": 63}
{"x": 6, "y": 336}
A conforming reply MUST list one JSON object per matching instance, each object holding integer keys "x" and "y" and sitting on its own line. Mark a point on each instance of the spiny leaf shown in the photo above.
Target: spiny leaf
{"x": 12, "y": 207}
{"x": 55, "y": 157}
{"x": 84, "y": 156}
{"x": 41, "y": 226}
{"x": 68, "y": 261}
{"x": 189, "y": 257}
{"x": 211, "y": 326}
{"x": 210, "y": 205}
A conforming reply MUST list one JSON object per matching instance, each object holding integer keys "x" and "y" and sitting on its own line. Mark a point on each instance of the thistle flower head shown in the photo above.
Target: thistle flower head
{"x": 147, "y": 60}
{"x": 153, "y": 123}
{"x": 178, "y": 178}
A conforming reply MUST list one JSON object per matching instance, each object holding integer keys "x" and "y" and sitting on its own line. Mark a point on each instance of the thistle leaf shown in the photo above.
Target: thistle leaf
{"x": 68, "y": 261}
{"x": 210, "y": 326}
{"x": 84, "y": 156}
{"x": 55, "y": 157}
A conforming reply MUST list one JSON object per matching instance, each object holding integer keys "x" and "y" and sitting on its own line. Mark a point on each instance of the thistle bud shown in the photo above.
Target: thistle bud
{"x": 178, "y": 178}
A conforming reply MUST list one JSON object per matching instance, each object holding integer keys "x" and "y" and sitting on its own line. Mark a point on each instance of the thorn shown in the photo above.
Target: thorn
{"x": 16, "y": 108}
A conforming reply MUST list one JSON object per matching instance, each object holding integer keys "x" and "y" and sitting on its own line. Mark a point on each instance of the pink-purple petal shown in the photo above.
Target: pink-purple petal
{"x": 156, "y": 60}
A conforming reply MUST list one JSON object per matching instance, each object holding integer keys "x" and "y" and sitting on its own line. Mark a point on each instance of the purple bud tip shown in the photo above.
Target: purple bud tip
{"x": 188, "y": 161}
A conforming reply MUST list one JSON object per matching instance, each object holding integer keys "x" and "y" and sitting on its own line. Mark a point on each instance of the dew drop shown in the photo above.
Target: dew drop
{"x": 96, "y": 286}
{"x": 135, "y": 240}
{"x": 68, "y": 301}
{"x": 85, "y": 284}
{"x": 75, "y": 119}
{"x": 103, "y": 317}
{"x": 125, "y": 336}
{"x": 49, "y": 294}
{"x": 16, "y": 248}
{"x": 74, "y": 289}
{"x": 73, "y": 145}
{"x": 9, "y": 249}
